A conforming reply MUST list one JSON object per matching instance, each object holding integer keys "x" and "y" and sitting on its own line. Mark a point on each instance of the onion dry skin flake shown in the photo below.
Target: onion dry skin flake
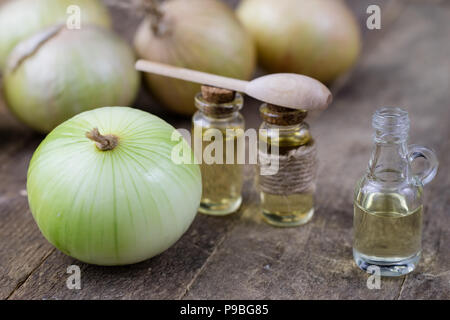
{"x": 103, "y": 188}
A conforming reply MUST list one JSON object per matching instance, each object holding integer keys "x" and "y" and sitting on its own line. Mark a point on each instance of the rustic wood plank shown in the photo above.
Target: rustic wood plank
{"x": 164, "y": 277}
{"x": 430, "y": 90}
{"x": 315, "y": 261}
{"x": 22, "y": 248}
{"x": 207, "y": 232}
{"x": 239, "y": 256}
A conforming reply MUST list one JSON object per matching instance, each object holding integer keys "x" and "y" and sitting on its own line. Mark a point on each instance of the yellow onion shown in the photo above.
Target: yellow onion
{"x": 58, "y": 73}
{"x": 203, "y": 35}
{"x": 317, "y": 38}
{"x": 20, "y": 19}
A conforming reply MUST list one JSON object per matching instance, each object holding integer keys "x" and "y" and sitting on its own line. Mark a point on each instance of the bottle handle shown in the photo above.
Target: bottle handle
{"x": 428, "y": 174}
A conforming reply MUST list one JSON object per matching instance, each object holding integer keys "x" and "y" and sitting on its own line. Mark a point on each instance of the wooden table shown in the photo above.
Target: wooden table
{"x": 406, "y": 63}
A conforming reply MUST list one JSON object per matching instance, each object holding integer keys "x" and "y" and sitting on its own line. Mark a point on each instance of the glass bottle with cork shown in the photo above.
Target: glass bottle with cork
{"x": 287, "y": 164}
{"x": 286, "y": 91}
{"x": 217, "y": 126}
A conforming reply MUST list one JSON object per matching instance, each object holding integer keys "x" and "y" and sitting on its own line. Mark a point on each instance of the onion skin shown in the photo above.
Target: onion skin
{"x": 203, "y": 35}
{"x": 20, "y": 19}
{"x": 317, "y": 38}
{"x": 114, "y": 207}
{"x": 59, "y": 73}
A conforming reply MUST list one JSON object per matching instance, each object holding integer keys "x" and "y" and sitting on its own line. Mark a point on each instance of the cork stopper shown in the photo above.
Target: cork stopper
{"x": 282, "y": 116}
{"x": 218, "y": 102}
{"x": 217, "y": 95}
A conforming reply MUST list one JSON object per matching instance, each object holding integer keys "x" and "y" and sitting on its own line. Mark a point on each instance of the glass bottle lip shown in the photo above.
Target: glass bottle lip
{"x": 391, "y": 125}
{"x": 219, "y": 110}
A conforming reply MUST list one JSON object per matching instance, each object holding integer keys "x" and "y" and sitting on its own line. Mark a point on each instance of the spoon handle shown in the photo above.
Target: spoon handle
{"x": 191, "y": 75}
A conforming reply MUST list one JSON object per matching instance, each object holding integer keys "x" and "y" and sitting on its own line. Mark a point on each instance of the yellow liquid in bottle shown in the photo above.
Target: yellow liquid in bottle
{"x": 385, "y": 229}
{"x": 222, "y": 183}
{"x": 291, "y": 209}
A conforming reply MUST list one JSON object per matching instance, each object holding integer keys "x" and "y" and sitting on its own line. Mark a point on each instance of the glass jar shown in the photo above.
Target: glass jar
{"x": 287, "y": 164}
{"x": 218, "y": 126}
{"x": 388, "y": 204}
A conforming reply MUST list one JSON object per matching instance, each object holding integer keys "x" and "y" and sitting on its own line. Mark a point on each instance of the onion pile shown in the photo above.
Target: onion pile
{"x": 203, "y": 35}
{"x": 103, "y": 188}
{"x": 317, "y": 38}
{"x": 20, "y": 19}
{"x": 58, "y": 73}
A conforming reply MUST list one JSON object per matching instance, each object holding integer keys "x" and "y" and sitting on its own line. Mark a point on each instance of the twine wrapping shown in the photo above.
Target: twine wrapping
{"x": 296, "y": 173}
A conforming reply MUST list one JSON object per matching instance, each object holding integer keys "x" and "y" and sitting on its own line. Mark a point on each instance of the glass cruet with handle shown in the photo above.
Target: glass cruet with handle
{"x": 388, "y": 204}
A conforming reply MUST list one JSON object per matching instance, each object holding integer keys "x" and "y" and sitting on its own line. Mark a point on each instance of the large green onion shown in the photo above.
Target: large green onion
{"x": 103, "y": 188}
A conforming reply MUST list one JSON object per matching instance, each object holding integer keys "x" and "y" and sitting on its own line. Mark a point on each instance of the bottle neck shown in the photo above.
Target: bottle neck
{"x": 389, "y": 162}
{"x": 284, "y": 127}
{"x": 220, "y": 117}
{"x": 291, "y": 136}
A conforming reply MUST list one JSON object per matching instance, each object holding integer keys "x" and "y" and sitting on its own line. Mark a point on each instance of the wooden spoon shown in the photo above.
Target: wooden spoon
{"x": 282, "y": 89}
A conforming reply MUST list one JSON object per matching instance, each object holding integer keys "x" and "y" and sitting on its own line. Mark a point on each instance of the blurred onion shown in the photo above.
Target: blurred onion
{"x": 112, "y": 206}
{"x": 202, "y": 35}
{"x": 317, "y": 38}
{"x": 58, "y": 73}
{"x": 20, "y": 19}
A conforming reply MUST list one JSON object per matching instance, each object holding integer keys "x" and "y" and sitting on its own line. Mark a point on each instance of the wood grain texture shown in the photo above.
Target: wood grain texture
{"x": 22, "y": 248}
{"x": 404, "y": 64}
{"x": 315, "y": 261}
